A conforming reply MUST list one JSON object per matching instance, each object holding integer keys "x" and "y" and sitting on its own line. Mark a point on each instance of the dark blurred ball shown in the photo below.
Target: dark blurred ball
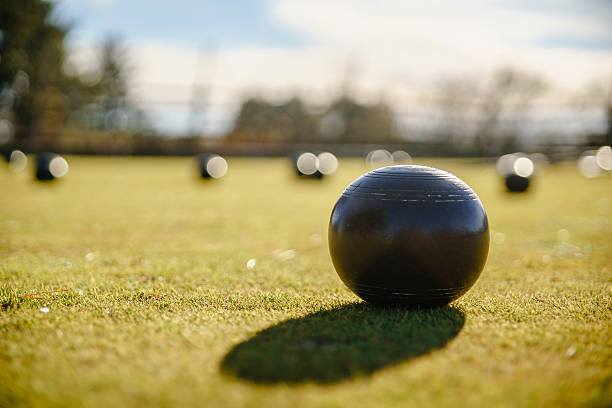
{"x": 50, "y": 166}
{"x": 517, "y": 170}
{"x": 212, "y": 166}
{"x": 43, "y": 160}
{"x": 516, "y": 183}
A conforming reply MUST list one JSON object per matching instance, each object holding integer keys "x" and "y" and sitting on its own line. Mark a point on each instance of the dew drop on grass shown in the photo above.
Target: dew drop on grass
{"x": 499, "y": 238}
{"x": 563, "y": 235}
{"x": 286, "y": 255}
{"x": 315, "y": 240}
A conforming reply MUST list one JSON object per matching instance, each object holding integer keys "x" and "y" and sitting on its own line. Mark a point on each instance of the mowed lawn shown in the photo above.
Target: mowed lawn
{"x": 126, "y": 284}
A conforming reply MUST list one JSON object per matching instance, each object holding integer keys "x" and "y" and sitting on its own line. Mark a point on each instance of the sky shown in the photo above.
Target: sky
{"x": 392, "y": 50}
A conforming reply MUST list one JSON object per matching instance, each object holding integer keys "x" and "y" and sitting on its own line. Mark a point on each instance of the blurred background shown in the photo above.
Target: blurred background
{"x": 267, "y": 77}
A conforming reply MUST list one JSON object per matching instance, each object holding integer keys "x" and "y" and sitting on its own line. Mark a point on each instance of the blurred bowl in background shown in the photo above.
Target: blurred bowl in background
{"x": 50, "y": 166}
{"x": 18, "y": 161}
{"x": 212, "y": 166}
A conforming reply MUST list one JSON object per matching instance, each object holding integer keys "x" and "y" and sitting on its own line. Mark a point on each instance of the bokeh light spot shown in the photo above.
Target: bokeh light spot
{"x": 505, "y": 164}
{"x": 58, "y": 167}
{"x": 6, "y": 131}
{"x": 328, "y": 163}
{"x": 378, "y": 158}
{"x": 18, "y": 161}
{"x": 587, "y": 165}
{"x": 217, "y": 167}
{"x": 523, "y": 167}
{"x": 603, "y": 157}
{"x": 307, "y": 163}
{"x": 401, "y": 157}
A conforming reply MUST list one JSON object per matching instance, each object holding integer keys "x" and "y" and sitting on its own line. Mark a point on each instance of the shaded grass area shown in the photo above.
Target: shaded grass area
{"x": 349, "y": 341}
{"x": 142, "y": 268}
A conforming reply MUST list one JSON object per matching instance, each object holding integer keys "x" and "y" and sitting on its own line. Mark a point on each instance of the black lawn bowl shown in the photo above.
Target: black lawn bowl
{"x": 516, "y": 184}
{"x": 409, "y": 235}
{"x": 43, "y": 166}
{"x": 202, "y": 162}
{"x": 211, "y": 166}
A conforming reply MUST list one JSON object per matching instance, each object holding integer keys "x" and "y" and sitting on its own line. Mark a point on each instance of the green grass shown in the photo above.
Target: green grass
{"x": 143, "y": 269}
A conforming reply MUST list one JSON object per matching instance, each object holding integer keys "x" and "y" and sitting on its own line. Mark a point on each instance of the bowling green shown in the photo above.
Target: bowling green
{"x": 126, "y": 284}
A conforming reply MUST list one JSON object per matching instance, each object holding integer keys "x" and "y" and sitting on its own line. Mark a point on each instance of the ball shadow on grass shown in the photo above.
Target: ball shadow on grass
{"x": 342, "y": 343}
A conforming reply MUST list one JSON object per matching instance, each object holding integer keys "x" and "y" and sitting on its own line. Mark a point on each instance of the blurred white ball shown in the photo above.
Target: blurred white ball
{"x": 523, "y": 167}
{"x": 505, "y": 164}
{"x": 587, "y": 165}
{"x": 328, "y": 163}
{"x": 307, "y": 163}
{"x": 58, "y": 167}
{"x": 216, "y": 167}
{"x": 401, "y": 157}
{"x": 603, "y": 157}
{"x": 378, "y": 158}
{"x": 17, "y": 161}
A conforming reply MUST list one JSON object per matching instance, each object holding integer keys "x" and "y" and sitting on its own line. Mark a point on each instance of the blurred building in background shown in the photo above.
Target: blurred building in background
{"x": 344, "y": 121}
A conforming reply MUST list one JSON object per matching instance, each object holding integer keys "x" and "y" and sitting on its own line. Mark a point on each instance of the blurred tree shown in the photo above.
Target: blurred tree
{"x": 32, "y": 53}
{"x": 595, "y": 96}
{"x": 260, "y": 121}
{"x": 510, "y": 92}
{"x": 456, "y": 100}
{"x": 363, "y": 124}
{"x": 112, "y": 88}
{"x": 103, "y": 101}
{"x": 488, "y": 114}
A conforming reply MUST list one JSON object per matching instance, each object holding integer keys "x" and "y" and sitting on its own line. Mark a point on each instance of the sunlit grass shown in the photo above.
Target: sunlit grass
{"x": 142, "y": 267}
